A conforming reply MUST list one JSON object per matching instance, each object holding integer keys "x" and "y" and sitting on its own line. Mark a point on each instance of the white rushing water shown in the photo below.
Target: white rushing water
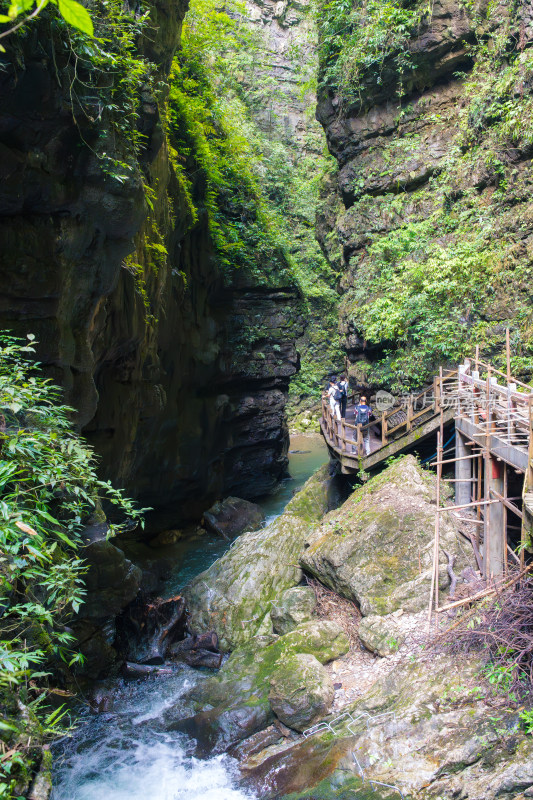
{"x": 125, "y": 754}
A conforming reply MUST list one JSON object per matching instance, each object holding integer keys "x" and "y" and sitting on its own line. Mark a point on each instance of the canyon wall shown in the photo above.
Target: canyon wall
{"x": 428, "y": 113}
{"x": 178, "y": 369}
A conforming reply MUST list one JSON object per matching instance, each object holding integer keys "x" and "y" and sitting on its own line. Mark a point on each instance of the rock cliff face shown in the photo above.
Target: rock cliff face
{"x": 174, "y": 382}
{"x": 284, "y": 112}
{"x": 430, "y": 217}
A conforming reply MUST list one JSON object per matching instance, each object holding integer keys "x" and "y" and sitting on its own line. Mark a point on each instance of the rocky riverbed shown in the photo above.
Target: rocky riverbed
{"x": 400, "y": 711}
{"x": 322, "y": 615}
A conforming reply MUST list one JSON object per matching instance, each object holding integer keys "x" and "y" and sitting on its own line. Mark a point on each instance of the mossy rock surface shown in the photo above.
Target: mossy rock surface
{"x": 380, "y": 635}
{"x": 301, "y": 691}
{"x": 296, "y": 605}
{"x": 377, "y": 548}
{"x": 234, "y": 704}
{"x": 441, "y": 739}
{"x": 234, "y": 596}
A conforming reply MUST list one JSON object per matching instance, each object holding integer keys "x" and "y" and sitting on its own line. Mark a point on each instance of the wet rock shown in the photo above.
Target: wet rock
{"x": 443, "y": 740}
{"x": 234, "y": 704}
{"x": 301, "y": 691}
{"x": 165, "y": 538}
{"x": 294, "y": 606}
{"x": 147, "y": 629}
{"x": 217, "y": 730}
{"x": 232, "y": 516}
{"x": 112, "y": 581}
{"x": 380, "y": 635}
{"x": 96, "y": 642}
{"x": 235, "y": 594}
{"x": 377, "y": 548}
{"x": 254, "y": 744}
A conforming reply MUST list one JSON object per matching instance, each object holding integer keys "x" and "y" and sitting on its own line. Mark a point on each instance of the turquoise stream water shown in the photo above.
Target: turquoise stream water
{"x": 125, "y": 754}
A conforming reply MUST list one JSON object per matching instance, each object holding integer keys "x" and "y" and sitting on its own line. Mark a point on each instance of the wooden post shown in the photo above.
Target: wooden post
{"x": 409, "y": 414}
{"x": 527, "y": 520}
{"x": 343, "y": 433}
{"x": 436, "y": 393}
{"x": 383, "y": 429}
{"x": 504, "y": 526}
{"x": 478, "y": 498}
{"x": 508, "y": 354}
{"x": 359, "y": 441}
{"x": 487, "y": 467}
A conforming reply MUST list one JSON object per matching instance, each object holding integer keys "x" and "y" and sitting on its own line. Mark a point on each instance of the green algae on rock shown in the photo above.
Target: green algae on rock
{"x": 441, "y": 739}
{"x": 381, "y": 635}
{"x": 235, "y": 594}
{"x": 301, "y": 691}
{"x": 377, "y": 548}
{"x": 234, "y": 704}
{"x": 296, "y": 605}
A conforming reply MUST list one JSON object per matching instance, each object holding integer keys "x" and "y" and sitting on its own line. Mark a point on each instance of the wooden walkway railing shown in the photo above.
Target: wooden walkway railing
{"x": 473, "y": 394}
{"x": 408, "y": 416}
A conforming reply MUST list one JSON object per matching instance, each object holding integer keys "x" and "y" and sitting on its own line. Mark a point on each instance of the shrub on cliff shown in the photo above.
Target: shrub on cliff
{"x": 48, "y": 490}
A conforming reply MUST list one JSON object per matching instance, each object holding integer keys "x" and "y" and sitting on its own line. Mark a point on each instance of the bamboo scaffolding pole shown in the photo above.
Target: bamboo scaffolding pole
{"x": 506, "y": 501}
{"x": 453, "y": 460}
{"x": 467, "y": 505}
{"x": 508, "y": 354}
{"x": 487, "y": 465}
{"x": 435, "y": 571}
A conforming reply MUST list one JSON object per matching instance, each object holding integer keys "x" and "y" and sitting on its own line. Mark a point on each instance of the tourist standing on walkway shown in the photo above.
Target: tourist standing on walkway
{"x": 334, "y": 394}
{"x": 343, "y": 386}
{"x": 363, "y": 413}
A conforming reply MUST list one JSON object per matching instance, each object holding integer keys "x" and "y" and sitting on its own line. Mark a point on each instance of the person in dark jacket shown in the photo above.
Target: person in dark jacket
{"x": 363, "y": 412}
{"x": 343, "y": 386}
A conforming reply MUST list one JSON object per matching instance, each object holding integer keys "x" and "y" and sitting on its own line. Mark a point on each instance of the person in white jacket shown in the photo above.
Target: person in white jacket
{"x": 334, "y": 395}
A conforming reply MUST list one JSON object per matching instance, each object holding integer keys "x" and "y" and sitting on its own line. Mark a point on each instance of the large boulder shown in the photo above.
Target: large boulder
{"x": 377, "y": 548}
{"x": 233, "y": 516}
{"x": 234, "y": 704}
{"x": 295, "y": 605}
{"x": 112, "y": 581}
{"x": 381, "y": 635}
{"x": 235, "y": 594}
{"x": 301, "y": 691}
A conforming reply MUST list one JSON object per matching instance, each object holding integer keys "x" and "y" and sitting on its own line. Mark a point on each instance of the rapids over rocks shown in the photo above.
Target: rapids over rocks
{"x": 124, "y": 752}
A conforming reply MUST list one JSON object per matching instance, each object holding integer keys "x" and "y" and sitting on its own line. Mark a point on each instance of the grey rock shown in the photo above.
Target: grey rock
{"x": 380, "y": 635}
{"x": 301, "y": 691}
{"x": 232, "y": 516}
{"x": 295, "y": 605}
{"x": 377, "y": 548}
{"x": 234, "y": 596}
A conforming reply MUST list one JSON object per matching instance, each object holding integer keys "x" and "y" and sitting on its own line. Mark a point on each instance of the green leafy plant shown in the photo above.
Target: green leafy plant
{"x": 48, "y": 491}
{"x": 526, "y": 717}
{"x": 72, "y": 12}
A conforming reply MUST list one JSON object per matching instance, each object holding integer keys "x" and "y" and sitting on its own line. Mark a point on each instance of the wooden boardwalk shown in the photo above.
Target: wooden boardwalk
{"x": 492, "y": 415}
{"x": 395, "y": 430}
